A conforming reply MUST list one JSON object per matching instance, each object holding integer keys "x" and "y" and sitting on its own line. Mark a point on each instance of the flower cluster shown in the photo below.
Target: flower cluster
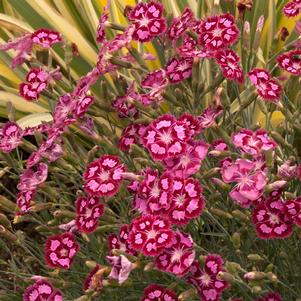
{"x": 160, "y": 157}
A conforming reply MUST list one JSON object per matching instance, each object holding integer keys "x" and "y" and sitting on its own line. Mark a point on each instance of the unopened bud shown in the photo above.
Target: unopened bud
{"x": 7, "y": 205}
{"x": 233, "y": 267}
{"x": 149, "y": 267}
{"x": 256, "y": 289}
{"x": 90, "y": 264}
{"x": 275, "y": 186}
{"x": 240, "y": 215}
{"x": 221, "y": 184}
{"x": 272, "y": 277}
{"x": 221, "y": 213}
{"x": 254, "y": 275}
{"x": 4, "y": 221}
{"x": 210, "y": 173}
{"x": 226, "y": 277}
{"x": 254, "y": 257}
{"x": 236, "y": 240}
{"x": 187, "y": 294}
{"x": 269, "y": 267}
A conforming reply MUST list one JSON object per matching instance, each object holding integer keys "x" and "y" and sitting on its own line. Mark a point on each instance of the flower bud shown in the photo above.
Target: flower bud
{"x": 240, "y": 215}
{"x": 233, "y": 267}
{"x": 149, "y": 267}
{"x": 4, "y": 221}
{"x": 7, "y": 205}
{"x": 221, "y": 184}
{"x": 256, "y": 289}
{"x": 187, "y": 295}
{"x": 225, "y": 276}
{"x": 221, "y": 213}
{"x": 254, "y": 257}
{"x": 254, "y": 275}
{"x": 272, "y": 277}
{"x": 236, "y": 240}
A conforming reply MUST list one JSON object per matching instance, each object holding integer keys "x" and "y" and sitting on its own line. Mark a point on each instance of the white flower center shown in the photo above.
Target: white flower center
{"x": 166, "y": 137}
{"x": 151, "y": 234}
{"x": 104, "y": 175}
{"x": 206, "y": 279}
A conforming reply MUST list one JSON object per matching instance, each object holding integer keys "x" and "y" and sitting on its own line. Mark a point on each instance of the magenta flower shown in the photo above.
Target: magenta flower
{"x": 10, "y": 136}
{"x": 121, "y": 268}
{"x": 156, "y": 79}
{"x": 46, "y": 38}
{"x": 165, "y": 137}
{"x": 82, "y": 106}
{"x": 253, "y": 143}
{"x": 64, "y": 108}
{"x": 290, "y": 61}
{"x": 292, "y": 8}
{"x": 37, "y": 81}
{"x": 124, "y": 104}
{"x": 85, "y": 82}
{"x": 181, "y": 24}
{"x": 150, "y": 234}
{"x": 229, "y": 62}
{"x": 292, "y": 209}
{"x": 24, "y": 199}
{"x": 190, "y": 49}
{"x": 187, "y": 201}
{"x": 130, "y": 135}
{"x": 154, "y": 190}
{"x": 270, "y": 220}
{"x": 178, "y": 257}
{"x": 287, "y": 171}
{"x": 94, "y": 279}
{"x": 188, "y": 163}
{"x": 178, "y": 69}
{"x": 22, "y": 46}
{"x": 30, "y": 178}
{"x": 250, "y": 178}
{"x": 147, "y": 20}
{"x": 88, "y": 212}
{"x": 218, "y": 146}
{"x": 60, "y": 250}
{"x": 270, "y": 297}
{"x": 192, "y": 123}
{"x": 101, "y": 36}
{"x": 42, "y": 290}
{"x": 103, "y": 176}
{"x": 267, "y": 88}
{"x": 155, "y": 292}
{"x": 120, "y": 242}
{"x": 206, "y": 280}
{"x": 217, "y": 32}
{"x": 207, "y": 118}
